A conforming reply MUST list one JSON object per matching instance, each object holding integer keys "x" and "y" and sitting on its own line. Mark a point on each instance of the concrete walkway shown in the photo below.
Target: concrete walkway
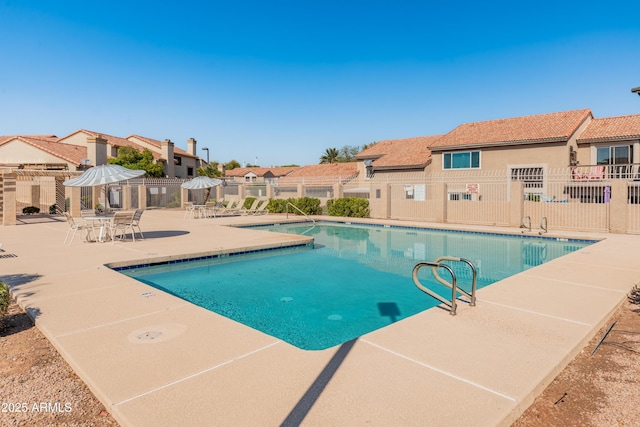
{"x": 482, "y": 367}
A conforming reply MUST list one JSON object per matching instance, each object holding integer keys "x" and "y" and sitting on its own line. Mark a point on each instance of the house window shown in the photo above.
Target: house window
{"x": 461, "y": 160}
{"x": 614, "y": 155}
{"x": 533, "y": 178}
{"x": 189, "y": 171}
{"x": 178, "y": 161}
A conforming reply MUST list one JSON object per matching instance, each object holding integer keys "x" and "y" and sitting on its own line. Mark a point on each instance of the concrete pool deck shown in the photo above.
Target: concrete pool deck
{"x": 155, "y": 360}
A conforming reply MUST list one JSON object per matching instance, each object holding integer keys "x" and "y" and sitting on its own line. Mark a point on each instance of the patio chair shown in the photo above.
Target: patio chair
{"x": 121, "y": 222}
{"x": 75, "y": 225}
{"x": 189, "y": 210}
{"x": 210, "y": 208}
{"x": 135, "y": 223}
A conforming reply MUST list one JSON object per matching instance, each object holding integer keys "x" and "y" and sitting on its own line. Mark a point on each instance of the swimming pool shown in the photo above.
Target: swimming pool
{"x": 356, "y": 278}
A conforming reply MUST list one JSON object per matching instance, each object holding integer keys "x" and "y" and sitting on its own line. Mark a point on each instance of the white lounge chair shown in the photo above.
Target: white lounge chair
{"x": 251, "y": 209}
{"x": 261, "y": 208}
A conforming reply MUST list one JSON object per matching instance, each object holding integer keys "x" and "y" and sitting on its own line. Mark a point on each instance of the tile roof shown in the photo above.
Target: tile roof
{"x": 327, "y": 173}
{"x": 6, "y": 138}
{"x": 158, "y": 144}
{"x": 121, "y": 142}
{"x": 47, "y": 143}
{"x": 276, "y": 172}
{"x": 407, "y": 153}
{"x": 552, "y": 127}
{"x": 612, "y": 129}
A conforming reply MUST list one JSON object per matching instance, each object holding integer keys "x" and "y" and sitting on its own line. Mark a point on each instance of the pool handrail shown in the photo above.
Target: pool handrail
{"x": 454, "y": 288}
{"x": 434, "y": 265}
{"x": 298, "y": 209}
{"x": 544, "y": 225}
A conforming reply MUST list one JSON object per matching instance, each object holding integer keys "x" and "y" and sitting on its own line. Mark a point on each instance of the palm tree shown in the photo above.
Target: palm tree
{"x": 330, "y": 155}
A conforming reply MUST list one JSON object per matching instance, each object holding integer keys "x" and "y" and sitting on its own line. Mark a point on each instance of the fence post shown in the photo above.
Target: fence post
{"x": 269, "y": 192}
{"x": 379, "y": 201}
{"x": 516, "y": 203}
{"x": 618, "y": 206}
{"x": 301, "y": 191}
{"x": 126, "y": 197}
{"x": 219, "y": 192}
{"x": 9, "y": 199}
{"x": 35, "y": 196}
{"x": 338, "y": 191}
{"x": 142, "y": 196}
{"x": 184, "y": 197}
{"x": 440, "y": 201}
{"x": 74, "y": 195}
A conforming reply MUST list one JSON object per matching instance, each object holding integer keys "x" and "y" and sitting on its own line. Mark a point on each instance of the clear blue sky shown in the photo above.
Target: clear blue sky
{"x": 281, "y": 81}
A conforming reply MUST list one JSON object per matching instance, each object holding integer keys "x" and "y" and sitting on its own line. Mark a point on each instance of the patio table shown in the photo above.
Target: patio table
{"x": 200, "y": 211}
{"x": 104, "y": 224}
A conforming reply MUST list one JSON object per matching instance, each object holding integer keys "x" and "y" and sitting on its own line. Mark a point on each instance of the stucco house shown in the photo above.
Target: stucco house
{"x": 613, "y": 142}
{"x": 523, "y": 146}
{"x": 103, "y": 146}
{"x": 396, "y": 158}
{"x": 42, "y": 152}
{"x": 84, "y": 148}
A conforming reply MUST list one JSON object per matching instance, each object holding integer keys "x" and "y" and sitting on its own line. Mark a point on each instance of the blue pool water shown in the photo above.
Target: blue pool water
{"x": 356, "y": 279}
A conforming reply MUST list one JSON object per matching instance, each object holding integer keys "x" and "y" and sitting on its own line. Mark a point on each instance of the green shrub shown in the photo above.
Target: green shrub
{"x": 349, "y": 206}
{"x": 30, "y": 210}
{"x": 278, "y": 205}
{"x": 248, "y": 202}
{"x": 308, "y": 205}
{"x": 5, "y": 299}
{"x": 174, "y": 199}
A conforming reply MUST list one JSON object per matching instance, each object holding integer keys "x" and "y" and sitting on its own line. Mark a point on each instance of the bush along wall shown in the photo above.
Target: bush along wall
{"x": 5, "y": 300}
{"x": 349, "y": 206}
{"x": 308, "y": 205}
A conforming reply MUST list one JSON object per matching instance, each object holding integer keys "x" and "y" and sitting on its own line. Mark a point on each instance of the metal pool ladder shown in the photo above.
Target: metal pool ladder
{"x": 298, "y": 209}
{"x": 454, "y": 287}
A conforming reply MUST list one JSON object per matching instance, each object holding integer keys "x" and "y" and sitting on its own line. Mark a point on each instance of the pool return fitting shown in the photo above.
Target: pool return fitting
{"x": 435, "y": 265}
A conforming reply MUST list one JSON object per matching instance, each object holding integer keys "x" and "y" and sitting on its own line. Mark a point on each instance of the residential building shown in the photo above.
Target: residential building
{"x": 396, "y": 158}
{"x": 613, "y": 142}
{"x": 40, "y": 152}
{"x": 84, "y": 148}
